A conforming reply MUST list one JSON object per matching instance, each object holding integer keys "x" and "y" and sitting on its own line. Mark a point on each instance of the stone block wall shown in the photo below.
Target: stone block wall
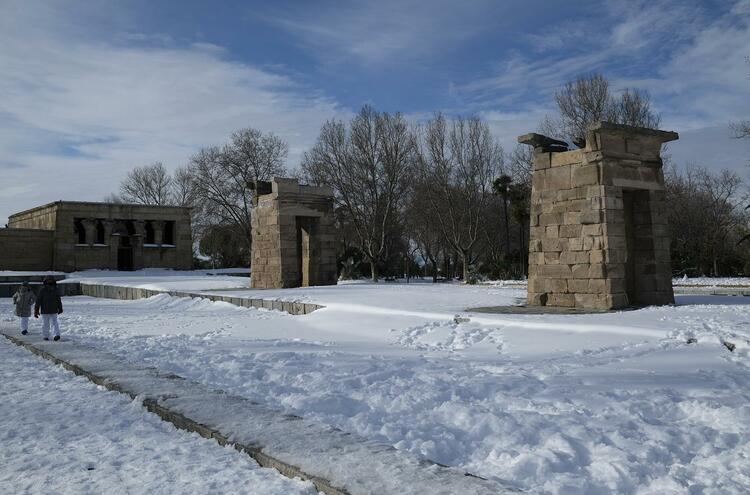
{"x": 62, "y": 218}
{"x": 71, "y": 256}
{"x": 26, "y": 249}
{"x": 293, "y": 235}
{"x": 599, "y": 237}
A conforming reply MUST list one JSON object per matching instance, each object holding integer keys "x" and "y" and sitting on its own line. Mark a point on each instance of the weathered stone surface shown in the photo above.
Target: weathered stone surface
{"x": 599, "y": 237}
{"x": 72, "y": 235}
{"x": 293, "y": 235}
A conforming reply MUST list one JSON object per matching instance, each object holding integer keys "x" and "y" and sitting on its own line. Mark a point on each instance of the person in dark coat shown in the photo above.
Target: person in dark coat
{"x": 24, "y": 300}
{"x": 49, "y": 304}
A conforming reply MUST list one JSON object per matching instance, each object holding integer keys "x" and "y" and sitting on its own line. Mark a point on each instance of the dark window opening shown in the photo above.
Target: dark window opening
{"x": 99, "y": 232}
{"x": 130, "y": 227}
{"x": 168, "y": 235}
{"x": 150, "y": 236}
{"x": 80, "y": 231}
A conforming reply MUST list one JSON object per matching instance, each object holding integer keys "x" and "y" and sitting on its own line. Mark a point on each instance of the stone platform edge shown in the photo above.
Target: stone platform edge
{"x": 156, "y": 401}
{"x": 184, "y": 423}
{"x": 133, "y": 293}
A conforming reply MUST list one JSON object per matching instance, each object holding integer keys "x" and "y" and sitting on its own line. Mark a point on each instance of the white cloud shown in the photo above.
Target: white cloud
{"x": 692, "y": 64}
{"x": 79, "y": 111}
{"x": 385, "y": 32}
{"x": 712, "y": 147}
{"x": 507, "y": 126}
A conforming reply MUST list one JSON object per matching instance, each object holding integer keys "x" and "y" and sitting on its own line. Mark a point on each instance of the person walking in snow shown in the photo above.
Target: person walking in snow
{"x": 48, "y": 302}
{"x": 23, "y": 300}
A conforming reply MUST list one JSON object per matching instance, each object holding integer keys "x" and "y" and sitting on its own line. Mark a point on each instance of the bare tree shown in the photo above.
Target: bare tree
{"x": 368, "y": 164}
{"x": 634, "y": 108}
{"x": 502, "y": 250}
{"x": 706, "y": 220}
{"x": 589, "y": 99}
{"x": 424, "y": 229}
{"x": 148, "y": 185}
{"x": 521, "y": 164}
{"x": 113, "y": 198}
{"x": 457, "y": 165}
{"x": 501, "y": 187}
{"x": 582, "y": 102}
{"x": 742, "y": 129}
{"x": 154, "y": 185}
{"x": 719, "y": 212}
{"x": 183, "y": 187}
{"x": 219, "y": 177}
{"x": 254, "y": 155}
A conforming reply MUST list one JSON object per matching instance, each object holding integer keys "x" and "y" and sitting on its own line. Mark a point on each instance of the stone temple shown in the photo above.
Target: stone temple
{"x": 68, "y": 236}
{"x": 599, "y": 235}
{"x": 293, "y": 235}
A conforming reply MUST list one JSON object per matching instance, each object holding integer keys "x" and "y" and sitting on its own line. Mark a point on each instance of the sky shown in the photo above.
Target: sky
{"x": 89, "y": 90}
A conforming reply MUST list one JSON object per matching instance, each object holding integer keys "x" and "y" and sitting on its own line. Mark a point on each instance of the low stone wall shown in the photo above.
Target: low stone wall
{"x": 713, "y": 291}
{"x": 10, "y": 288}
{"x": 6, "y": 279}
{"x": 131, "y": 293}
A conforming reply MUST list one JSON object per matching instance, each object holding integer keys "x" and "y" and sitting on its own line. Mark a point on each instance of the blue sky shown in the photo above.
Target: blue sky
{"x": 90, "y": 89}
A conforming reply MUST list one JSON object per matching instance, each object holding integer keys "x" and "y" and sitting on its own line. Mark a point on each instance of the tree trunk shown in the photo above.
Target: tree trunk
{"x": 434, "y": 271}
{"x": 373, "y": 271}
{"x": 507, "y": 227}
{"x": 716, "y": 267}
{"x": 520, "y": 251}
{"x": 464, "y": 262}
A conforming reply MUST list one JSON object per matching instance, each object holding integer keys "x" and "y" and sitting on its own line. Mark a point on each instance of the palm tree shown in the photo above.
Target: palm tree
{"x": 519, "y": 200}
{"x": 501, "y": 186}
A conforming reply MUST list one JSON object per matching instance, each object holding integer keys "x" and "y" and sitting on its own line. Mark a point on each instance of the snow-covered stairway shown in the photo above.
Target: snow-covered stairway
{"x": 335, "y": 461}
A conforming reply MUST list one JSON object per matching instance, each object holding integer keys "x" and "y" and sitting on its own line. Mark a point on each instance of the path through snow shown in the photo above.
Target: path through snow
{"x": 62, "y": 434}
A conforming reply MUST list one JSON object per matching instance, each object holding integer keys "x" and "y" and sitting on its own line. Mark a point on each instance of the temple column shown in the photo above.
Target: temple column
{"x": 137, "y": 240}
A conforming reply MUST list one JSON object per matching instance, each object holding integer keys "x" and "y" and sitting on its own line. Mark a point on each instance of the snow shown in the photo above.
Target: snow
{"x": 679, "y": 282}
{"x": 15, "y": 273}
{"x": 157, "y": 272}
{"x": 600, "y": 403}
{"x": 164, "y": 279}
{"x": 711, "y": 282}
{"x": 62, "y": 434}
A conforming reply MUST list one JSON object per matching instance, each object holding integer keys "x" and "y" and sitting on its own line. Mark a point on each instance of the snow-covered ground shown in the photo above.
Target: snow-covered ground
{"x": 62, "y": 434}
{"x": 16, "y": 273}
{"x": 605, "y": 403}
{"x": 677, "y": 282}
{"x": 712, "y": 282}
{"x": 162, "y": 279}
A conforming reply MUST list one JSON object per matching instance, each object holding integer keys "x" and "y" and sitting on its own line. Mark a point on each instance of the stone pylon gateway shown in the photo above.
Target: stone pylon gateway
{"x": 599, "y": 236}
{"x": 293, "y": 235}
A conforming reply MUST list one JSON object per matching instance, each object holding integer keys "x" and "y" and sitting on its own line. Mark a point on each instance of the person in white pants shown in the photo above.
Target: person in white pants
{"x": 49, "y": 304}
{"x": 46, "y": 321}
